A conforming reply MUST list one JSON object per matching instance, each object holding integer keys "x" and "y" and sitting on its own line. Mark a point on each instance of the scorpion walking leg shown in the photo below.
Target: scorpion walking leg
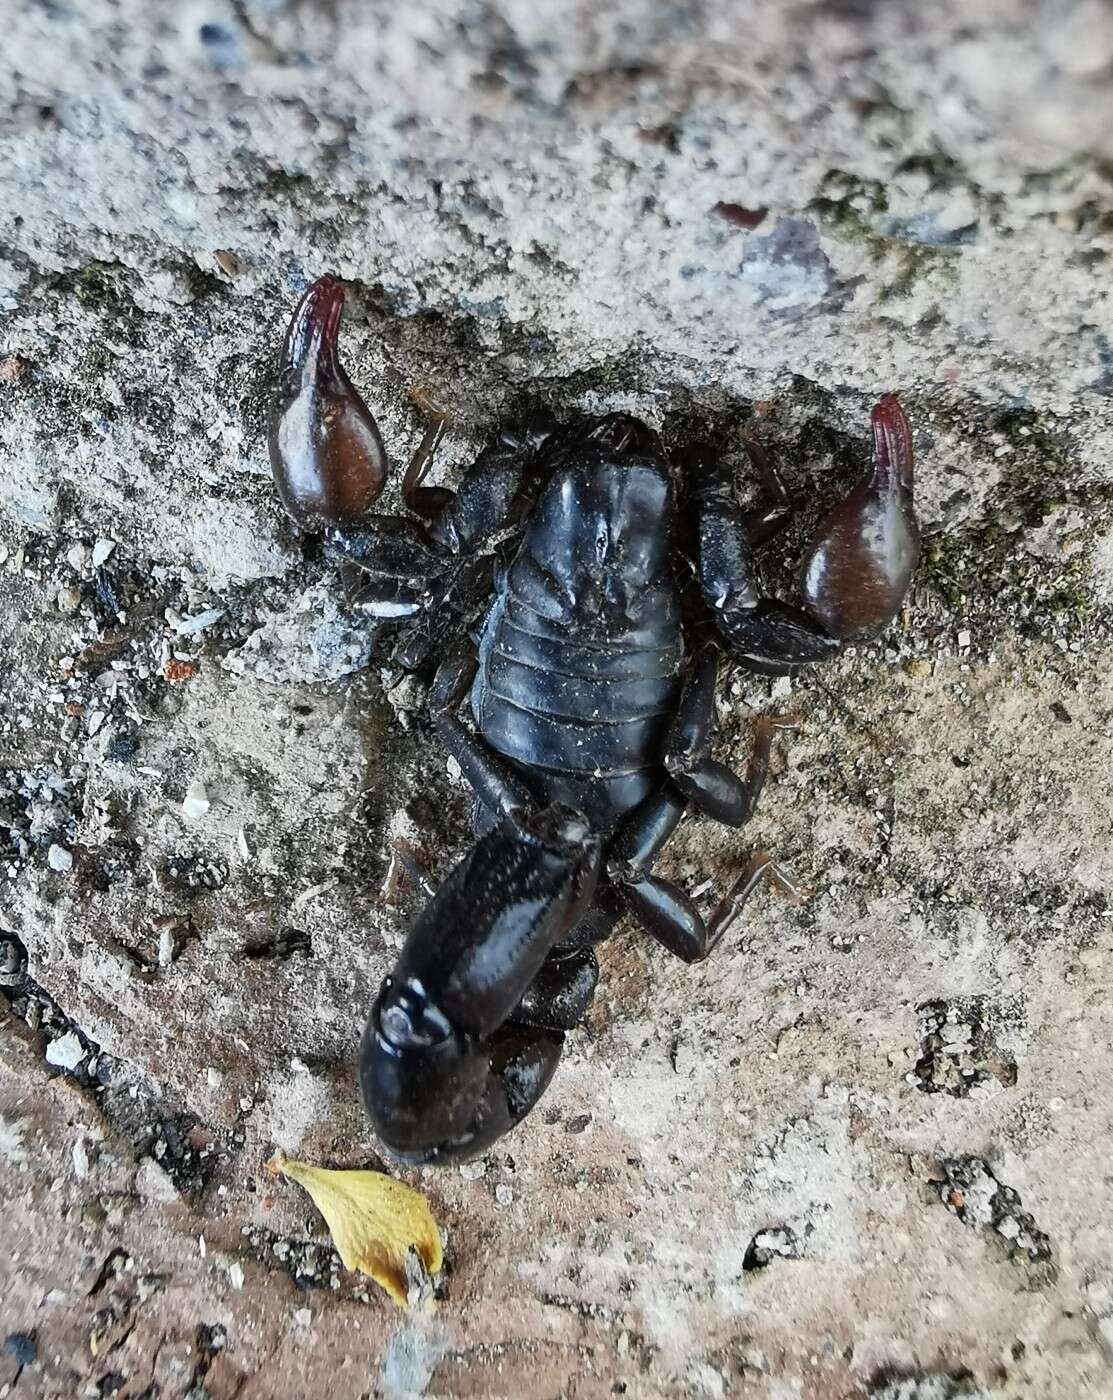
{"x": 709, "y": 785}
{"x": 659, "y": 905}
{"x": 712, "y": 478}
{"x": 854, "y": 577}
{"x": 759, "y": 868}
{"x": 496, "y": 786}
{"x": 766, "y": 522}
{"x": 663, "y": 908}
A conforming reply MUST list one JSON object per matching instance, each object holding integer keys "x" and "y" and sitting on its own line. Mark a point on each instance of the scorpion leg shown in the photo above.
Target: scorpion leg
{"x": 710, "y": 785}
{"x": 660, "y": 906}
{"x": 496, "y": 786}
{"x": 854, "y": 576}
{"x": 764, "y": 523}
{"x": 558, "y": 997}
{"x": 444, "y": 1067}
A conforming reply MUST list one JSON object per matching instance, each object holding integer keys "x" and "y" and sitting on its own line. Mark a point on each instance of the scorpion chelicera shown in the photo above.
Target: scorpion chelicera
{"x": 592, "y": 720}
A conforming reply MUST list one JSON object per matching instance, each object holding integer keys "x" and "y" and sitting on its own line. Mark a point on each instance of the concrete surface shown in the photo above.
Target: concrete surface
{"x": 862, "y": 1153}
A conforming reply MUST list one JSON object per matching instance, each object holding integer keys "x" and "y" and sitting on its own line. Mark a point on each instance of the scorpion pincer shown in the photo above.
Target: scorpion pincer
{"x": 592, "y": 720}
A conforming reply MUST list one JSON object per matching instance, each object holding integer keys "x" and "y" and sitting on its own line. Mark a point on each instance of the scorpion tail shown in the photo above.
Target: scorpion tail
{"x": 446, "y": 1066}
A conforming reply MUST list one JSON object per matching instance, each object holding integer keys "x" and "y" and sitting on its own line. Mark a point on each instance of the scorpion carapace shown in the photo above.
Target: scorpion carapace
{"x": 592, "y": 720}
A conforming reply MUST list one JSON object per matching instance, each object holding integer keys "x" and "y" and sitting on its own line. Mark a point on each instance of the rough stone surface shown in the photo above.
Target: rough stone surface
{"x": 864, "y": 1153}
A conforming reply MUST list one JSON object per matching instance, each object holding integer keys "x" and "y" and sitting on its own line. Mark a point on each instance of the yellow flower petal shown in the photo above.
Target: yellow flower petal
{"x": 374, "y": 1220}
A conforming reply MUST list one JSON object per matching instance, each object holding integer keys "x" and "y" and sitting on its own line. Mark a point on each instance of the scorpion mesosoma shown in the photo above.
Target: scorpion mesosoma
{"x": 592, "y": 723}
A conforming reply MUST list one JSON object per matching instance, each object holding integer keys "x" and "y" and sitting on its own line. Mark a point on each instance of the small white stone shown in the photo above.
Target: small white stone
{"x": 165, "y": 947}
{"x": 504, "y": 1194}
{"x": 472, "y": 1171}
{"x": 214, "y": 1077}
{"x": 101, "y": 550}
{"x": 196, "y": 802}
{"x": 66, "y": 1052}
{"x": 235, "y": 1275}
{"x": 781, "y": 688}
{"x": 80, "y": 1160}
{"x": 77, "y": 557}
{"x": 96, "y": 719}
{"x": 963, "y": 639}
{"x": 189, "y": 626}
{"x": 58, "y": 858}
{"x": 303, "y": 1317}
{"x": 153, "y": 1183}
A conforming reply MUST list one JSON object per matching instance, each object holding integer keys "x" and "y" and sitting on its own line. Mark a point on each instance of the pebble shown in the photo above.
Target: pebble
{"x": 196, "y": 802}
{"x": 504, "y": 1194}
{"x": 153, "y": 1183}
{"x": 188, "y": 626}
{"x": 69, "y": 599}
{"x": 235, "y": 1275}
{"x": 21, "y": 1347}
{"x": 101, "y": 550}
{"x": 77, "y": 557}
{"x": 472, "y": 1171}
{"x": 165, "y": 947}
{"x": 58, "y": 858}
{"x": 66, "y": 1052}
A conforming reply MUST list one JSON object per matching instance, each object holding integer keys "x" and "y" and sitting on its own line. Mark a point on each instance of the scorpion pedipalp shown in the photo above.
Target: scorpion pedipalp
{"x": 326, "y": 452}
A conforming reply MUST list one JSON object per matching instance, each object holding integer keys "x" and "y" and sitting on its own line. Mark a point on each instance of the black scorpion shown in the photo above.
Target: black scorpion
{"x": 592, "y": 722}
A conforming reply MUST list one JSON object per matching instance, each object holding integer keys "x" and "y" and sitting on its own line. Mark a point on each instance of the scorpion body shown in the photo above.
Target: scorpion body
{"x": 581, "y": 655}
{"x": 593, "y": 719}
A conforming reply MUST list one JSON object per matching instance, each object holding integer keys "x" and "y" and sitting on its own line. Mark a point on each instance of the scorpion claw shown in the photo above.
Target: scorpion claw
{"x": 326, "y": 452}
{"x": 860, "y": 564}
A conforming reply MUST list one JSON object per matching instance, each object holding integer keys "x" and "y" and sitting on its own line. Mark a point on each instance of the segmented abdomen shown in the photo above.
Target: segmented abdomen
{"x": 580, "y": 696}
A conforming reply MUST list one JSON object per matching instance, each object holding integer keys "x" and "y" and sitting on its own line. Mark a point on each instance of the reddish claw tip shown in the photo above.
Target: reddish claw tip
{"x": 892, "y": 444}
{"x": 315, "y": 324}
